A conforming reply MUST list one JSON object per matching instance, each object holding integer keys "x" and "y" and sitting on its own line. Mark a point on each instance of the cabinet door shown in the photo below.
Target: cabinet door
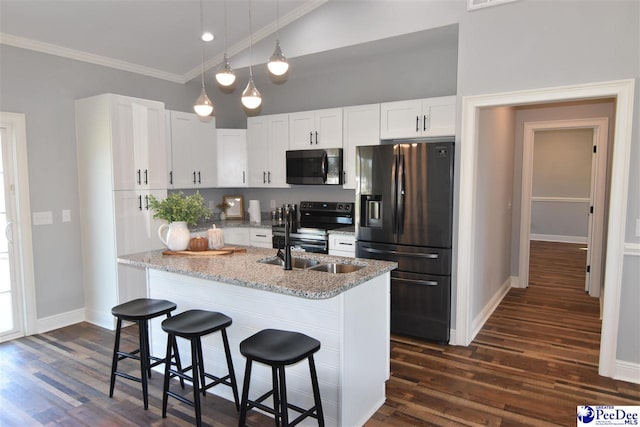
{"x": 232, "y": 158}
{"x": 439, "y": 116}
{"x": 156, "y": 151}
{"x": 258, "y": 156}
{"x": 328, "y": 128}
{"x": 236, "y": 236}
{"x": 278, "y": 137}
{"x": 183, "y": 135}
{"x": 261, "y": 238}
{"x": 301, "y": 130}
{"x": 132, "y": 228}
{"x": 204, "y": 154}
{"x": 152, "y": 225}
{"x": 361, "y": 127}
{"x": 124, "y": 168}
{"x": 400, "y": 119}
{"x": 342, "y": 245}
{"x": 167, "y": 140}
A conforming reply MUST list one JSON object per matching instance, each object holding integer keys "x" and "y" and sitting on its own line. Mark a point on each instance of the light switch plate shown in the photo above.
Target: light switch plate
{"x": 66, "y": 215}
{"x": 42, "y": 218}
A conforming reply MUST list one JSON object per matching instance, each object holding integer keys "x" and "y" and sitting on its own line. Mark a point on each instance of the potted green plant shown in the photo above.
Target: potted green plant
{"x": 180, "y": 212}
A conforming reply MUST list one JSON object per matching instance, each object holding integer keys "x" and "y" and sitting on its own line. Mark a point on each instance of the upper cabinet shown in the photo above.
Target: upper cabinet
{"x": 268, "y": 137}
{"x": 315, "y": 129}
{"x": 137, "y": 142}
{"x": 193, "y": 151}
{"x": 232, "y": 158}
{"x": 418, "y": 117}
{"x": 361, "y": 127}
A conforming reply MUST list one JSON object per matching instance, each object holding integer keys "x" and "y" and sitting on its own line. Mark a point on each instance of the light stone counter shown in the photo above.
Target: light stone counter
{"x": 245, "y": 269}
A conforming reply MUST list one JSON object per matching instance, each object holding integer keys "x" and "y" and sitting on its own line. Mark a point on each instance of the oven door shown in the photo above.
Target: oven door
{"x": 302, "y": 244}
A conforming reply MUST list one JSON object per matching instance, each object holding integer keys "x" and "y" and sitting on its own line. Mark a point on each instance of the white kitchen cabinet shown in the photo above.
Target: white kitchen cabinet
{"x": 236, "y": 236}
{"x": 232, "y": 158}
{"x": 315, "y": 129}
{"x": 193, "y": 151}
{"x": 361, "y": 127}
{"x": 114, "y": 221}
{"x": 268, "y": 137}
{"x": 342, "y": 245}
{"x": 261, "y": 237}
{"x": 138, "y": 143}
{"x": 418, "y": 118}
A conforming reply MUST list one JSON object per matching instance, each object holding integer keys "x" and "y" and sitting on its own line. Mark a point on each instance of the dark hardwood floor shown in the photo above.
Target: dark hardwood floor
{"x": 532, "y": 363}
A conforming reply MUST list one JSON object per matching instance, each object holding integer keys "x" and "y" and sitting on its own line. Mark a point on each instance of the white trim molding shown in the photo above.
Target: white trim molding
{"x": 562, "y": 239}
{"x": 623, "y": 92}
{"x": 491, "y": 306}
{"x": 627, "y": 371}
{"x": 632, "y": 249}
{"x": 560, "y": 199}
{"x": 61, "y": 320}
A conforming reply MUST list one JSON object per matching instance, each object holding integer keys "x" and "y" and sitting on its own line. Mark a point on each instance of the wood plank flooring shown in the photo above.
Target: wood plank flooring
{"x": 533, "y": 362}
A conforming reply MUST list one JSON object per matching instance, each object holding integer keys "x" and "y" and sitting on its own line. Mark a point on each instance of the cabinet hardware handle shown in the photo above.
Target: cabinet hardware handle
{"x": 417, "y": 123}
{"x": 261, "y": 235}
{"x": 345, "y": 244}
{"x": 424, "y": 122}
{"x": 311, "y": 138}
{"x": 171, "y": 177}
{"x": 146, "y": 202}
{"x": 269, "y": 177}
{"x": 140, "y": 202}
{"x": 146, "y": 176}
{"x": 243, "y": 174}
{"x": 264, "y": 177}
{"x": 194, "y": 177}
{"x": 139, "y": 177}
{"x": 316, "y": 137}
{"x": 344, "y": 177}
{"x": 199, "y": 178}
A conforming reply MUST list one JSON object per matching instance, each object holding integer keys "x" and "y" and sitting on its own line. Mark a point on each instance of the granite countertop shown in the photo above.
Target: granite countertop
{"x": 229, "y": 223}
{"x": 244, "y": 269}
{"x": 348, "y": 231}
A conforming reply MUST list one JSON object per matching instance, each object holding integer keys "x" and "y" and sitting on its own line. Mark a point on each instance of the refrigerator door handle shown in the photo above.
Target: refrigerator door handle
{"x": 417, "y": 282}
{"x": 408, "y": 254}
{"x": 400, "y": 201}
{"x": 394, "y": 193}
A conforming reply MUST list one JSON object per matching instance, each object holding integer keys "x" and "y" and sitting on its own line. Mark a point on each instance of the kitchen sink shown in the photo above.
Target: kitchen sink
{"x": 295, "y": 262}
{"x": 336, "y": 268}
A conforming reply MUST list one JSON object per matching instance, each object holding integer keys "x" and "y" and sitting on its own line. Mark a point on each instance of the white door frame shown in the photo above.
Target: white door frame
{"x": 600, "y": 127}
{"x": 25, "y": 286}
{"x": 623, "y": 92}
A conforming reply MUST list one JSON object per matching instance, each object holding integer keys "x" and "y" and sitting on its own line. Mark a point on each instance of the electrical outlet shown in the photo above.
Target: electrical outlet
{"x": 42, "y": 218}
{"x": 66, "y": 215}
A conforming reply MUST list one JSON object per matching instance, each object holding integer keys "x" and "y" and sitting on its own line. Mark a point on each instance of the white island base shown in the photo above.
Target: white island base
{"x": 353, "y": 328}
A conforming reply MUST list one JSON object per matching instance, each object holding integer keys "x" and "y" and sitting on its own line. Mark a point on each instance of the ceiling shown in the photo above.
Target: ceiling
{"x": 159, "y": 38}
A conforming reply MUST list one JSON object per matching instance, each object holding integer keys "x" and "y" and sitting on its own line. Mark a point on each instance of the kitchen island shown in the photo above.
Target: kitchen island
{"x": 348, "y": 313}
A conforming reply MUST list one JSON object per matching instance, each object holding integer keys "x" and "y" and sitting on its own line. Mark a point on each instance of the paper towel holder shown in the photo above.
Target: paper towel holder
{"x": 234, "y": 206}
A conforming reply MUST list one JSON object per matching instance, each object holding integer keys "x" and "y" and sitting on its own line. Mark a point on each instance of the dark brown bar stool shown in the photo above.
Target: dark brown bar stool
{"x": 139, "y": 311}
{"x": 278, "y": 349}
{"x": 192, "y": 325}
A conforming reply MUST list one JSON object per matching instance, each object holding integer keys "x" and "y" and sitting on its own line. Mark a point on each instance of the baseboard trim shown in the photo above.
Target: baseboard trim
{"x": 557, "y": 238}
{"x": 627, "y": 371}
{"x": 61, "y": 320}
{"x": 491, "y": 306}
{"x": 104, "y": 320}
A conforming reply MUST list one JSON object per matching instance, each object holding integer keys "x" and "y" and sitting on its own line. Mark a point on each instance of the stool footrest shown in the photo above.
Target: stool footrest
{"x": 180, "y": 398}
{"x": 127, "y": 376}
{"x": 303, "y": 414}
{"x": 216, "y": 380}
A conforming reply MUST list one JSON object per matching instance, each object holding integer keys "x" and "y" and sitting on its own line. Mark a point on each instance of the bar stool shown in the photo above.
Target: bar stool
{"x": 139, "y": 311}
{"x": 192, "y": 325}
{"x": 278, "y": 349}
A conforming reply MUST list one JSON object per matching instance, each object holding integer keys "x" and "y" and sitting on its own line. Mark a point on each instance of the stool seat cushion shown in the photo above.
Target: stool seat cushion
{"x": 194, "y": 323}
{"x": 276, "y": 347}
{"x": 143, "y": 308}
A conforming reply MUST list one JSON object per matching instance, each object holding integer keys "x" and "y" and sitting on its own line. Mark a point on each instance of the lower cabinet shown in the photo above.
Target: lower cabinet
{"x": 342, "y": 245}
{"x": 261, "y": 237}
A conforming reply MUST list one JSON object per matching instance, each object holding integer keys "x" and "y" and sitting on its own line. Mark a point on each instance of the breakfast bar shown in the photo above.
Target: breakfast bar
{"x": 342, "y": 302}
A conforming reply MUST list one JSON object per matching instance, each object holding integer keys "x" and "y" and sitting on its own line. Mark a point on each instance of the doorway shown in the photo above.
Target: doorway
{"x": 17, "y": 293}
{"x": 622, "y": 91}
{"x": 587, "y": 195}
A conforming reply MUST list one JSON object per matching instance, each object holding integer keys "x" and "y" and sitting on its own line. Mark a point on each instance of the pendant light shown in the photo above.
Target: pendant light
{"x": 225, "y": 75}
{"x": 203, "y": 106}
{"x": 278, "y": 64}
{"x": 251, "y": 98}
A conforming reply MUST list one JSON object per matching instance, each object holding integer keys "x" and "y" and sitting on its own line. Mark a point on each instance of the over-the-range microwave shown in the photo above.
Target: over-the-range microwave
{"x": 315, "y": 167}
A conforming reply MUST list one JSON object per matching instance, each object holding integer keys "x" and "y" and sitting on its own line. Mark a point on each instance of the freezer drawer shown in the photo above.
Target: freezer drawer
{"x": 421, "y": 305}
{"x": 415, "y": 259}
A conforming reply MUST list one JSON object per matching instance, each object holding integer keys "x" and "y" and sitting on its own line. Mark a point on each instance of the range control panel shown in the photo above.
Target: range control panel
{"x": 338, "y": 207}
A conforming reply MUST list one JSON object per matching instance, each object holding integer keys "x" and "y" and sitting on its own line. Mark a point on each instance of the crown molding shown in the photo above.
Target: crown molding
{"x": 52, "y": 49}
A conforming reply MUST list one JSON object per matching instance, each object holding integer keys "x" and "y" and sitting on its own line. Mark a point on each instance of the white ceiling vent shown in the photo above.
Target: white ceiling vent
{"x": 479, "y": 4}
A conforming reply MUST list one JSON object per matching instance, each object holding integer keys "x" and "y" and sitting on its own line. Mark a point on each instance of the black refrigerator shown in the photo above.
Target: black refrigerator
{"x": 404, "y": 213}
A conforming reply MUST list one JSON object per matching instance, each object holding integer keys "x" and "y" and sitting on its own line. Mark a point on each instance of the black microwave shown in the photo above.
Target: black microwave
{"x": 315, "y": 167}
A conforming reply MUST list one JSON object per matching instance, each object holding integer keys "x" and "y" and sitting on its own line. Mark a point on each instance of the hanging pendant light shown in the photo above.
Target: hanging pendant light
{"x": 278, "y": 64}
{"x": 225, "y": 75}
{"x": 251, "y": 98}
{"x": 203, "y": 106}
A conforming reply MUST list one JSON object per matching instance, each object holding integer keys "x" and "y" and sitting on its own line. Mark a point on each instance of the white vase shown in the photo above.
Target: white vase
{"x": 177, "y": 235}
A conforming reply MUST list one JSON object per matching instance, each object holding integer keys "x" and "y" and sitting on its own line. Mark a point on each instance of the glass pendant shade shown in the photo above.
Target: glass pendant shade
{"x": 251, "y": 98}
{"x": 225, "y": 75}
{"x": 278, "y": 64}
{"x": 203, "y": 106}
